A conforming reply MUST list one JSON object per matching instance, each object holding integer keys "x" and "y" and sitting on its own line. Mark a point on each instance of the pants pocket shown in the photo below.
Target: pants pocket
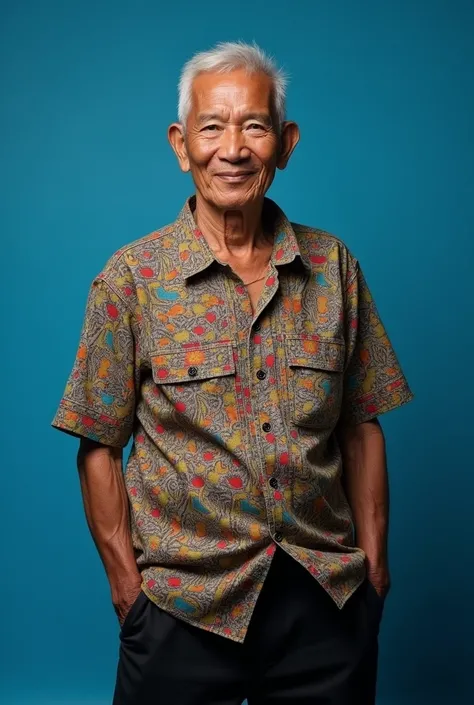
{"x": 133, "y": 613}
{"x": 375, "y": 606}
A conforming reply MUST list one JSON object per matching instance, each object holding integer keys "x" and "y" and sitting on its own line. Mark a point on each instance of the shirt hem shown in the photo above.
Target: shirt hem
{"x": 359, "y": 416}
{"x": 198, "y": 625}
{"x": 75, "y": 427}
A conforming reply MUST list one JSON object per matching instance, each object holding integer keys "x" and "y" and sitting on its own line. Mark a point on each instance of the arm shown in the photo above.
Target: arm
{"x": 366, "y": 483}
{"x": 107, "y": 512}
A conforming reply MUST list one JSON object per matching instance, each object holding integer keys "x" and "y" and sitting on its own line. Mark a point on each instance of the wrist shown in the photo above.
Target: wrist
{"x": 126, "y": 583}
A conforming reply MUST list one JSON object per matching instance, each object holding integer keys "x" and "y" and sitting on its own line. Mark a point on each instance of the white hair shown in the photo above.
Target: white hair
{"x": 224, "y": 58}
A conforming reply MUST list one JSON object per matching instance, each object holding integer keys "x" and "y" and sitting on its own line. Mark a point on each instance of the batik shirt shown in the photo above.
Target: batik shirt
{"x": 233, "y": 413}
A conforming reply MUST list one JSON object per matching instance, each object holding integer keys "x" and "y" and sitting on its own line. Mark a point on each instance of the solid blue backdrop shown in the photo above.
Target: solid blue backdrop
{"x": 383, "y": 93}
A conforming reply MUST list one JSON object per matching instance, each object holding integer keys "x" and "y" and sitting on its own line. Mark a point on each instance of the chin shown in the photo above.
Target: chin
{"x": 238, "y": 199}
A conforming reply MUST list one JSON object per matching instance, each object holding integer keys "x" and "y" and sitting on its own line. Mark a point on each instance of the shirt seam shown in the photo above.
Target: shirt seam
{"x": 114, "y": 290}
{"x": 352, "y": 279}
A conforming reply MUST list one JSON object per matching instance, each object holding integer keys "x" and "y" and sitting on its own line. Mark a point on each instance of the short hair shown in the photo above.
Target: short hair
{"x": 224, "y": 58}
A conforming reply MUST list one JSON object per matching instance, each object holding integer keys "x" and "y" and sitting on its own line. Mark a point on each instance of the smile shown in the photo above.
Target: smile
{"x": 235, "y": 178}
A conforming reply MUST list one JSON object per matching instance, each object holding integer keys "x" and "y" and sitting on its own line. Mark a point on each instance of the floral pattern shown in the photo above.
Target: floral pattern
{"x": 232, "y": 413}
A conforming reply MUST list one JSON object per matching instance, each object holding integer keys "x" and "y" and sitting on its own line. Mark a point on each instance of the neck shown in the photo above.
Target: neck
{"x": 233, "y": 231}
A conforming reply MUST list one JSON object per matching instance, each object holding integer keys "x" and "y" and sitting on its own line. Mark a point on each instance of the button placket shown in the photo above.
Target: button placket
{"x": 262, "y": 352}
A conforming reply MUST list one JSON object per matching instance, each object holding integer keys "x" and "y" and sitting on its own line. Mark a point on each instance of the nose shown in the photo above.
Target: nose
{"x": 232, "y": 147}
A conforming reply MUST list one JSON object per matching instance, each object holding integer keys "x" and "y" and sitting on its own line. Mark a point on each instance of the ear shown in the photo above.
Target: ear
{"x": 177, "y": 142}
{"x": 289, "y": 138}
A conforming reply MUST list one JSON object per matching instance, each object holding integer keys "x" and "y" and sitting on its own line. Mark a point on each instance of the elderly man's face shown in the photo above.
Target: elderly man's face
{"x": 231, "y": 144}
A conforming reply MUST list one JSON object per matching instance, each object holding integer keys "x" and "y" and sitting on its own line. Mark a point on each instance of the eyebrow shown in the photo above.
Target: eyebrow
{"x": 261, "y": 117}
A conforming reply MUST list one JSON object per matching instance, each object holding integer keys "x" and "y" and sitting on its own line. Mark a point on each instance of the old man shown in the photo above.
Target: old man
{"x": 246, "y": 542}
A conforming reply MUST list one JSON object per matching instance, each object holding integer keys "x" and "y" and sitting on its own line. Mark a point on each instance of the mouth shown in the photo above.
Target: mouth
{"x": 234, "y": 177}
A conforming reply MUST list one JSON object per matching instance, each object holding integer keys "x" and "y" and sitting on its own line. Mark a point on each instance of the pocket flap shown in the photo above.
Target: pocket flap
{"x": 193, "y": 363}
{"x": 316, "y": 353}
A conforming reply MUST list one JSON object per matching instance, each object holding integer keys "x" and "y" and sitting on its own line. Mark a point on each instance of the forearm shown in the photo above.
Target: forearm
{"x": 366, "y": 483}
{"x": 107, "y": 511}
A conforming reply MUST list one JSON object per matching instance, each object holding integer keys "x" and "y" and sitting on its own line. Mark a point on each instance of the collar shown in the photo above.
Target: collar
{"x": 195, "y": 254}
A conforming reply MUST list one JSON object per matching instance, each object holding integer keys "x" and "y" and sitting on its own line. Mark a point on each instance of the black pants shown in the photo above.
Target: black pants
{"x": 300, "y": 649}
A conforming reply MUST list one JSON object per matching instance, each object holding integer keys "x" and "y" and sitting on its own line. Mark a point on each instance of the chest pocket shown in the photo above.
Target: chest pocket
{"x": 315, "y": 380}
{"x": 199, "y": 381}
{"x": 192, "y": 364}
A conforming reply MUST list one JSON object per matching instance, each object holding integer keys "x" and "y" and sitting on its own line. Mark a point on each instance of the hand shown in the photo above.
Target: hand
{"x": 124, "y": 596}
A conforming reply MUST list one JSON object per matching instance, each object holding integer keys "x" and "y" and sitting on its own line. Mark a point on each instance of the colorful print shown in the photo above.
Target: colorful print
{"x": 232, "y": 413}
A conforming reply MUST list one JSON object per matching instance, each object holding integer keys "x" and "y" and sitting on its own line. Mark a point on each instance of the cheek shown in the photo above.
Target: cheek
{"x": 268, "y": 167}
{"x": 267, "y": 155}
{"x": 200, "y": 152}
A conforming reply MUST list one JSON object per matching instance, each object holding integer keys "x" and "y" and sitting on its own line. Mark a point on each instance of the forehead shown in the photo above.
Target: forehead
{"x": 235, "y": 91}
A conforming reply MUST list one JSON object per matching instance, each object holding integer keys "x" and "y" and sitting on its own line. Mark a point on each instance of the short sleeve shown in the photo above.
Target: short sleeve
{"x": 99, "y": 399}
{"x": 374, "y": 382}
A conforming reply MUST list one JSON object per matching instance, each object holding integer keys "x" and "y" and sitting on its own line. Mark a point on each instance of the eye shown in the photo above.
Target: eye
{"x": 255, "y": 127}
{"x": 210, "y": 128}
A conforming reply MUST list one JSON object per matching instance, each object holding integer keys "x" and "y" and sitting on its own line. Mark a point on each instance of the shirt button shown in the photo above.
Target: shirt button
{"x": 273, "y": 482}
{"x": 266, "y": 427}
{"x": 278, "y": 536}
{"x": 192, "y": 371}
{"x": 261, "y": 374}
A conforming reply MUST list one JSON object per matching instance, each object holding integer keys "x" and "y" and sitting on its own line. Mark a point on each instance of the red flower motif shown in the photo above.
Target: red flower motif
{"x": 112, "y": 311}
{"x": 147, "y": 272}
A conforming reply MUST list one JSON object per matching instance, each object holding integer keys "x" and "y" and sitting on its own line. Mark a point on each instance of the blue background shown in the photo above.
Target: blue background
{"x": 383, "y": 92}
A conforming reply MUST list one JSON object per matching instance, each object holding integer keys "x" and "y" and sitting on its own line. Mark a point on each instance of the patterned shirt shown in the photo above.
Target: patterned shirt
{"x": 233, "y": 413}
